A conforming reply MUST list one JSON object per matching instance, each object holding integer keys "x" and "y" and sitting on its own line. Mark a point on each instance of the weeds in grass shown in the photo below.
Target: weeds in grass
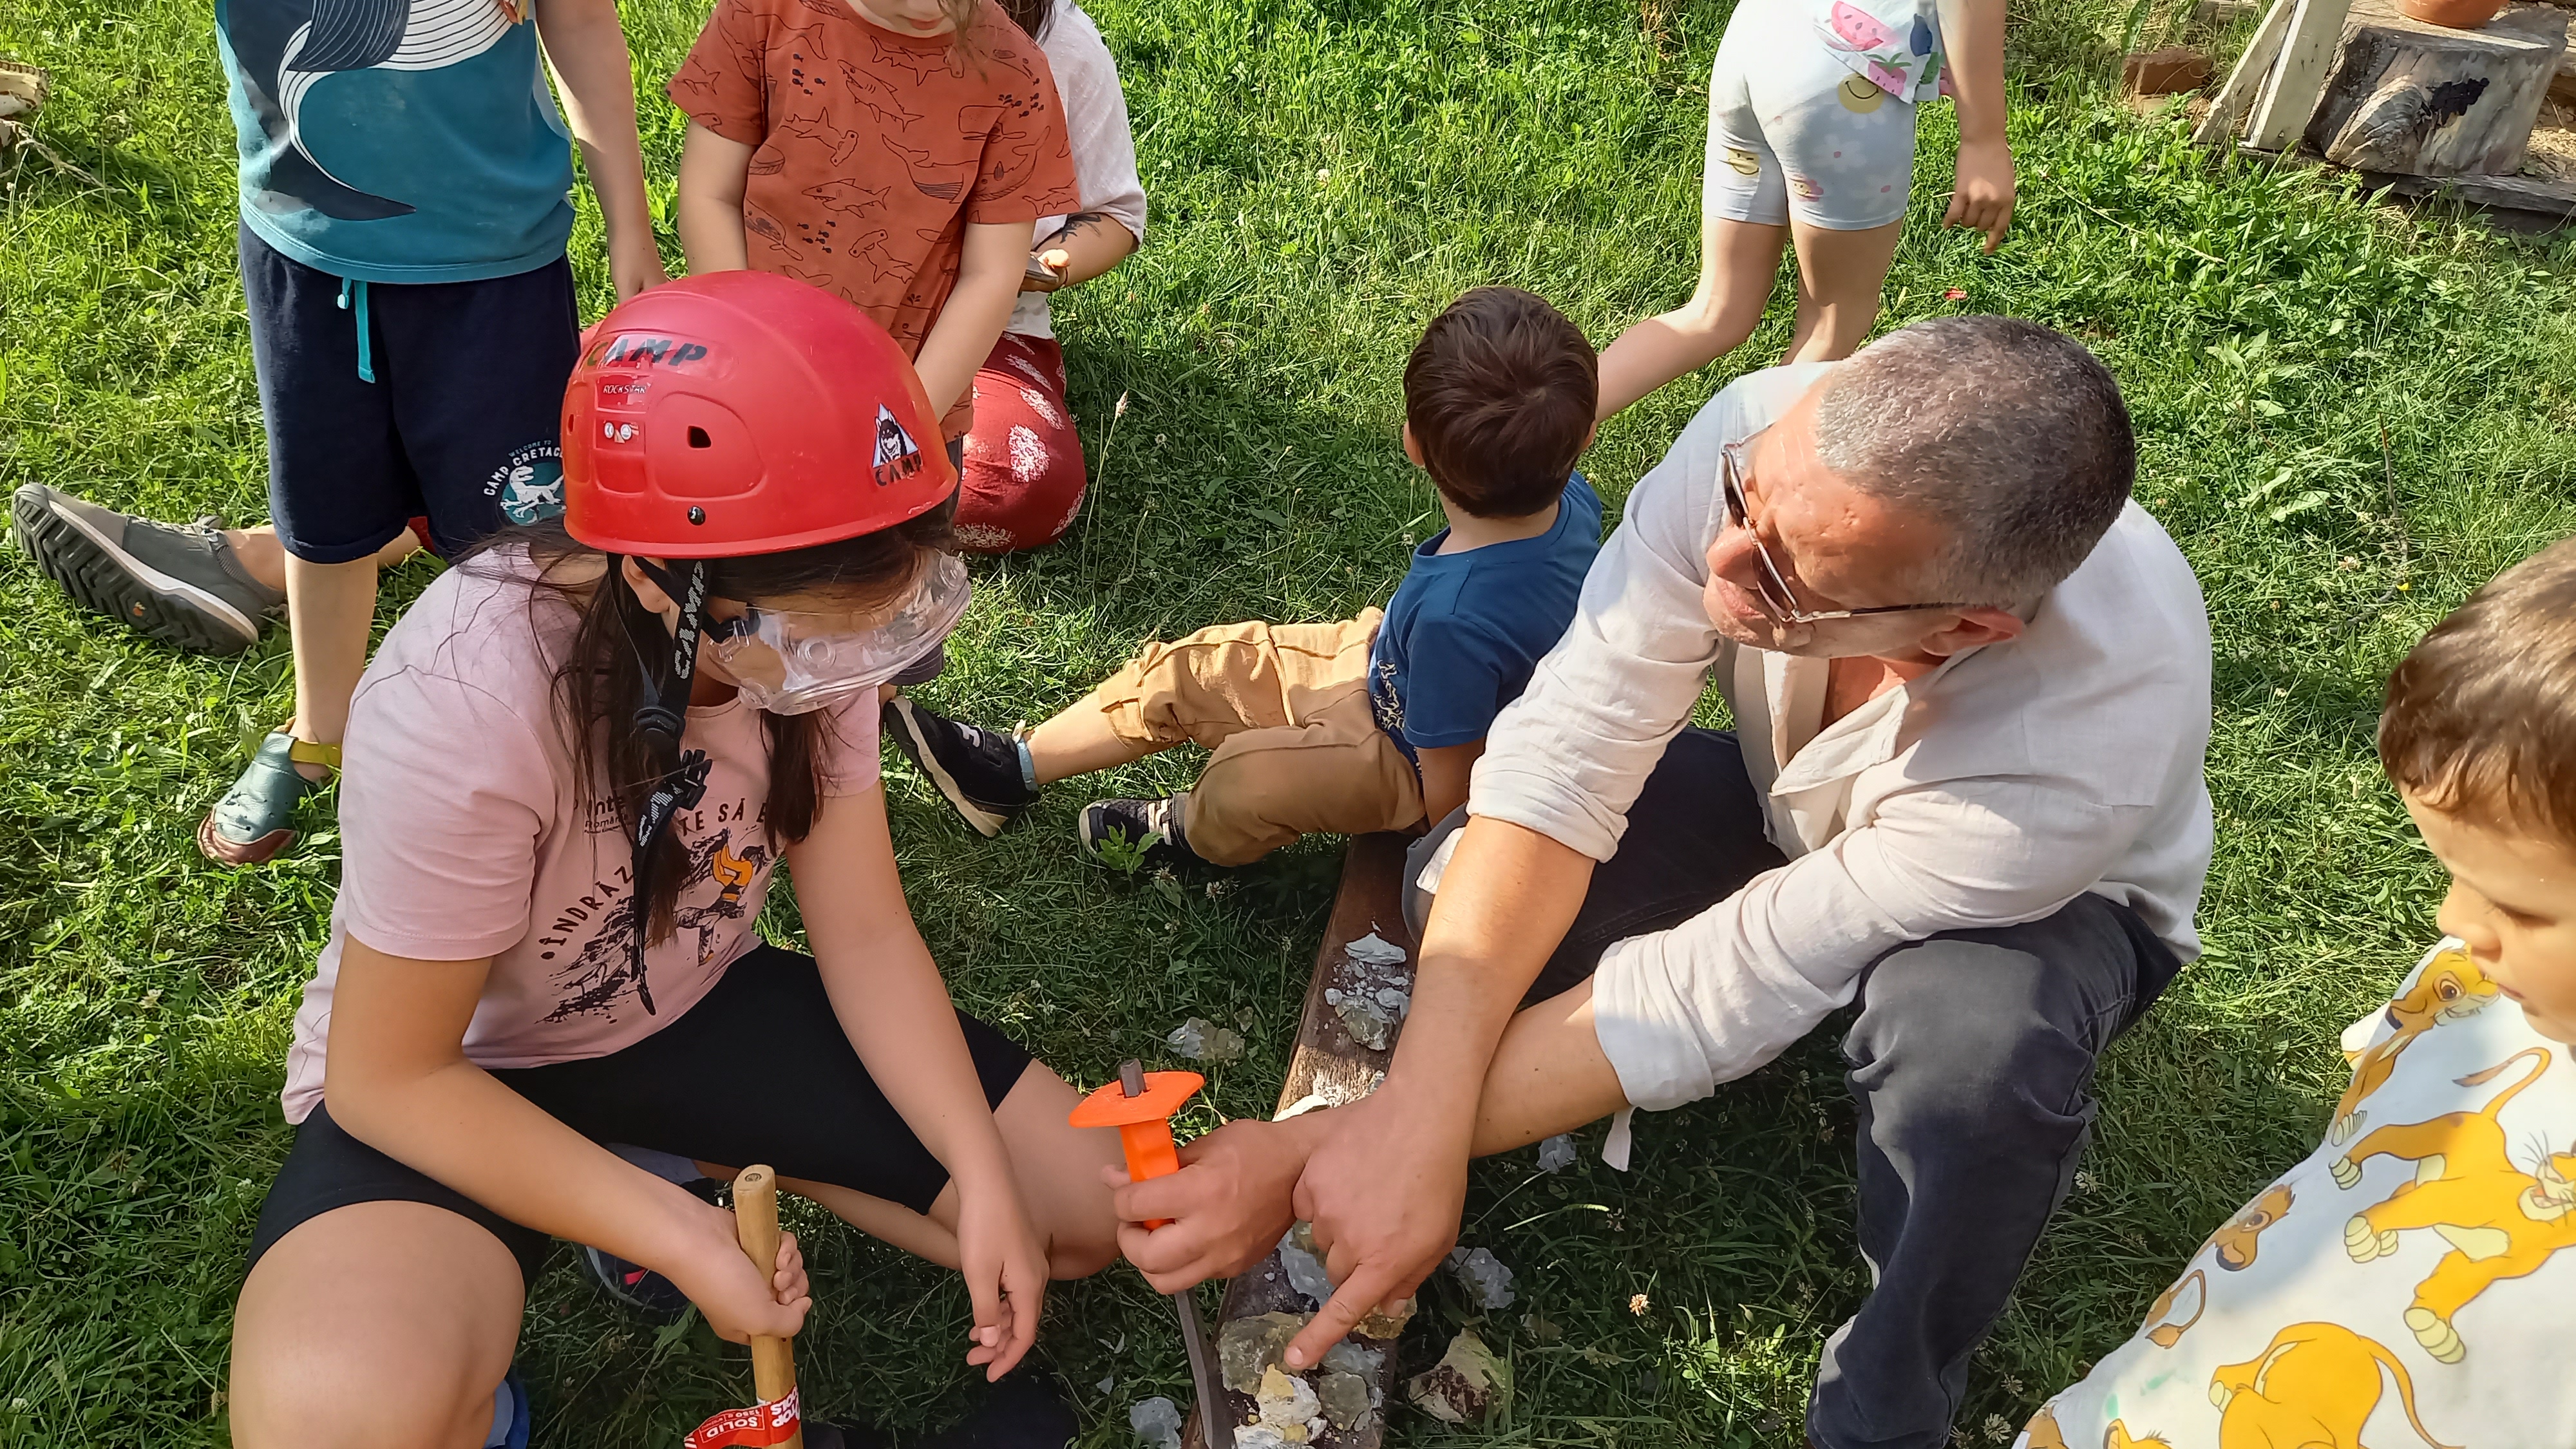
{"x": 1325, "y": 176}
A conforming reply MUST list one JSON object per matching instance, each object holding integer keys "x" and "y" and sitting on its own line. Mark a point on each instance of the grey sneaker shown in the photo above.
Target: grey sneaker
{"x": 179, "y": 586}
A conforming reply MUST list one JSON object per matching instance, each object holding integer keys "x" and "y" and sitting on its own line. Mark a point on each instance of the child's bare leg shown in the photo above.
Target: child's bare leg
{"x": 1739, "y": 260}
{"x": 1840, "y": 274}
{"x": 265, "y": 558}
{"x": 379, "y": 1323}
{"x": 1079, "y": 740}
{"x": 1058, "y": 1169}
{"x": 330, "y": 609}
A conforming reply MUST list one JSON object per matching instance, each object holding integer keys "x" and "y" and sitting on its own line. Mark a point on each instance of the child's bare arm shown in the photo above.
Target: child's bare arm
{"x": 713, "y": 171}
{"x": 988, "y": 283}
{"x": 586, "y": 50}
{"x": 1445, "y": 773}
{"x": 1983, "y": 200}
{"x": 1088, "y": 244}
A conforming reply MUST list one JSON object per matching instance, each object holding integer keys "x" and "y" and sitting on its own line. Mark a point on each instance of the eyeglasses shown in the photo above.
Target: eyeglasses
{"x": 1773, "y": 588}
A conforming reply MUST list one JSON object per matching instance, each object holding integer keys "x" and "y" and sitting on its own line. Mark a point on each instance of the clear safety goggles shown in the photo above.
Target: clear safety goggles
{"x": 790, "y": 662}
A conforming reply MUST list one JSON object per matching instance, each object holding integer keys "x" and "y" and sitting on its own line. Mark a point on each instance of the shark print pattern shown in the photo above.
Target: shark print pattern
{"x": 873, "y": 151}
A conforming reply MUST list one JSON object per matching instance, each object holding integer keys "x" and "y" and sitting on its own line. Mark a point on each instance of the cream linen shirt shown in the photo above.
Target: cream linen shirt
{"x": 1986, "y": 793}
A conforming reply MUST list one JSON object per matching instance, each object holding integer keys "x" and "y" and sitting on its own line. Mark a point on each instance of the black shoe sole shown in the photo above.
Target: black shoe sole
{"x": 101, "y": 577}
{"x": 985, "y": 820}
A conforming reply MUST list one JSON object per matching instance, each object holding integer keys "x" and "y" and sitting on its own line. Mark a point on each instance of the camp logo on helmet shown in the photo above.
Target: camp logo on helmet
{"x": 898, "y": 456}
{"x": 639, "y": 349}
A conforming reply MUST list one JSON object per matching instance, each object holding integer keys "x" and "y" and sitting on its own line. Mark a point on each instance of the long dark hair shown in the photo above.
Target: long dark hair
{"x": 1030, "y": 15}
{"x": 601, "y": 679}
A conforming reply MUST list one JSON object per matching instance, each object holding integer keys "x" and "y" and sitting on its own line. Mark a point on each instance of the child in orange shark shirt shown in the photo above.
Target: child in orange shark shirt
{"x": 2411, "y": 1280}
{"x": 892, "y": 152}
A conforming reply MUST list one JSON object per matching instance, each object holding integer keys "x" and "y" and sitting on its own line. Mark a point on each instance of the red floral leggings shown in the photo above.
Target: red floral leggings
{"x": 1024, "y": 474}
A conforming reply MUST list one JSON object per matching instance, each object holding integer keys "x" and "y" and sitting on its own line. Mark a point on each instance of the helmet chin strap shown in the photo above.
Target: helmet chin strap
{"x": 680, "y": 777}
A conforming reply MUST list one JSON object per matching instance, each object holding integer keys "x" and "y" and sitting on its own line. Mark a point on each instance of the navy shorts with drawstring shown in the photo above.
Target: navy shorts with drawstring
{"x": 387, "y": 402}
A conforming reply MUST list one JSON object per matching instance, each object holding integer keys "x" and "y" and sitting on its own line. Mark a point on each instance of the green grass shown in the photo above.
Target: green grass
{"x": 1325, "y": 175}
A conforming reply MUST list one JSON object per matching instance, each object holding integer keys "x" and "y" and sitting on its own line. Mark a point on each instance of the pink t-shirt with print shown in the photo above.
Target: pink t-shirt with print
{"x": 463, "y": 835}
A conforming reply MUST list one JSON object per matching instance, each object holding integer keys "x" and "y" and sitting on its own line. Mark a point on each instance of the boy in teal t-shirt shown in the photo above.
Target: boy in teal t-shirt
{"x": 2413, "y": 1280}
{"x": 404, "y": 177}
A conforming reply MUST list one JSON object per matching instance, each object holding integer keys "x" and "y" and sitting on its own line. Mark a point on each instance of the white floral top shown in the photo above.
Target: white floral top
{"x": 1895, "y": 45}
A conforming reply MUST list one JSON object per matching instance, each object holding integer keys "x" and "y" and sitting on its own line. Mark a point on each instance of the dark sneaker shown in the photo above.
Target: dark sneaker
{"x": 978, "y": 770}
{"x": 253, "y": 822}
{"x": 633, "y": 1284}
{"x": 176, "y": 586}
{"x": 1136, "y": 834}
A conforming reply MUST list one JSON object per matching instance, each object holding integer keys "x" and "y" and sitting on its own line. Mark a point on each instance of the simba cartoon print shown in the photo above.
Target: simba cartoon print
{"x": 874, "y": 151}
{"x": 2407, "y": 1284}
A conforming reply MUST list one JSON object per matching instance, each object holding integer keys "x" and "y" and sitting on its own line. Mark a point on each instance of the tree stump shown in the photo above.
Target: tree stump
{"x": 2418, "y": 99}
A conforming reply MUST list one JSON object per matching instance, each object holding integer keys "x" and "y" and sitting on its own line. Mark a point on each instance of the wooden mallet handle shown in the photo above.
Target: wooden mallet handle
{"x": 755, "y": 1222}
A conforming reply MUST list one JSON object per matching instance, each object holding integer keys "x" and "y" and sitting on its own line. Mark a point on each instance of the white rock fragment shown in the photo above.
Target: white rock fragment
{"x": 1157, "y": 1421}
{"x": 1260, "y": 1436}
{"x": 1394, "y": 1000}
{"x": 1202, "y": 1040}
{"x": 1556, "y": 1154}
{"x": 1484, "y": 1276}
{"x": 1347, "y": 1357}
{"x": 1374, "y": 950}
{"x": 1470, "y": 1384}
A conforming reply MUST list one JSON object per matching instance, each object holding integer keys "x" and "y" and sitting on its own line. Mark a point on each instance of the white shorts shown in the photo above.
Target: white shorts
{"x": 1791, "y": 129}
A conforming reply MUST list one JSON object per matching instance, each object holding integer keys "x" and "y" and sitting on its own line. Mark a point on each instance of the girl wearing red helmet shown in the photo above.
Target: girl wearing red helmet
{"x": 571, "y": 770}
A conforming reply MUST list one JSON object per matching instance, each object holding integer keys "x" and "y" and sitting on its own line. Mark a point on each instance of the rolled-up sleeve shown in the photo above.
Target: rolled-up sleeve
{"x": 1568, "y": 757}
{"x": 1679, "y": 1011}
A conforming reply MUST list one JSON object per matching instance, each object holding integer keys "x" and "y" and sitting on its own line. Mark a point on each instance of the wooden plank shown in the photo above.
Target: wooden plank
{"x": 1329, "y": 1065}
{"x": 2307, "y": 52}
{"x": 2539, "y": 198}
{"x": 2252, "y": 68}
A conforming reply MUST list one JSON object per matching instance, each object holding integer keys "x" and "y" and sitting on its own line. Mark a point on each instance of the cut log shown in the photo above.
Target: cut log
{"x": 1329, "y": 1068}
{"x": 2235, "y": 98}
{"x": 2418, "y": 99}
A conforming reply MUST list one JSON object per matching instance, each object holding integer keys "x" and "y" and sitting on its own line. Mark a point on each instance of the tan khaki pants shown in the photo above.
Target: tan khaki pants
{"x": 1285, "y": 708}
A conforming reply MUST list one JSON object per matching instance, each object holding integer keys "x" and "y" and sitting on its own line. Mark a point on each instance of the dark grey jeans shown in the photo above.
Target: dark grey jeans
{"x": 1971, "y": 1059}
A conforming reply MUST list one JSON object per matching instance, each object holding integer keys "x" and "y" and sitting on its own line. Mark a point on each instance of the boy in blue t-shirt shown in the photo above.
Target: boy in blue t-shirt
{"x": 1366, "y": 724}
{"x": 404, "y": 180}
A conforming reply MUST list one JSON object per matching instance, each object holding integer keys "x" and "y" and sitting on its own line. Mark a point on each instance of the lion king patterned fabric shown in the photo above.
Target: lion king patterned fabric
{"x": 2411, "y": 1282}
{"x": 875, "y": 151}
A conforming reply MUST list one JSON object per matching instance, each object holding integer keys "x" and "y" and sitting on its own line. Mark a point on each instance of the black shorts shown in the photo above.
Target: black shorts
{"x": 460, "y": 424}
{"x": 688, "y": 1089}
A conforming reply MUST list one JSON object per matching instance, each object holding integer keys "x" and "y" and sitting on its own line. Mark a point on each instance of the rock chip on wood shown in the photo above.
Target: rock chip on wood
{"x": 1246, "y": 1346}
{"x": 1470, "y": 1385}
{"x": 1345, "y": 1398}
{"x": 1383, "y": 1325}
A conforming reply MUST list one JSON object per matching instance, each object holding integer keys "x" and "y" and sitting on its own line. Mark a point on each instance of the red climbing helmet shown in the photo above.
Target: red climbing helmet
{"x": 744, "y": 413}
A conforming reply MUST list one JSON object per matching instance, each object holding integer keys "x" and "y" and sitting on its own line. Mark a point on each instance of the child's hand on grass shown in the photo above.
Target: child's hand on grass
{"x": 1006, "y": 1274}
{"x": 1984, "y": 198}
{"x": 728, "y": 1289}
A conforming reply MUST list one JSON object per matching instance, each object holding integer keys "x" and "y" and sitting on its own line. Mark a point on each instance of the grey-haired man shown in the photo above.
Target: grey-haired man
{"x": 1970, "y": 681}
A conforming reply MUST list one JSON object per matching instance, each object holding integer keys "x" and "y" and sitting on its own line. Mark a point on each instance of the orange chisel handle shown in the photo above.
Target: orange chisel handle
{"x": 1150, "y": 1153}
{"x": 1140, "y": 1105}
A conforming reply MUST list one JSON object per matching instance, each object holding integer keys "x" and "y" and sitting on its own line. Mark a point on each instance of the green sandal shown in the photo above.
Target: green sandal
{"x": 249, "y": 825}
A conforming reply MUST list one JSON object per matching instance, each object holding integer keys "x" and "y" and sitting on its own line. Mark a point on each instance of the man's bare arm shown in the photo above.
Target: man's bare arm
{"x": 1385, "y": 1184}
